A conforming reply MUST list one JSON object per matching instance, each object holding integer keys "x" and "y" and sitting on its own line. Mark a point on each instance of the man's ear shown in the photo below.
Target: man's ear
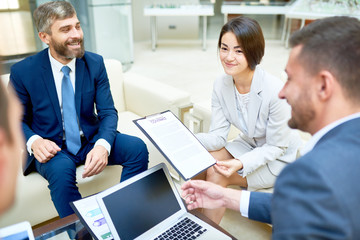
{"x": 325, "y": 85}
{"x": 44, "y": 37}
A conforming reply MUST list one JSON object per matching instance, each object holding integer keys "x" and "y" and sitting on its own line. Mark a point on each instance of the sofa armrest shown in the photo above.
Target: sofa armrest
{"x": 145, "y": 96}
{"x": 200, "y": 118}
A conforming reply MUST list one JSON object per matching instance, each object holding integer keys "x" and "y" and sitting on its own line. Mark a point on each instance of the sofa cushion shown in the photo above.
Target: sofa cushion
{"x": 116, "y": 80}
{"x": 145, "y": 96}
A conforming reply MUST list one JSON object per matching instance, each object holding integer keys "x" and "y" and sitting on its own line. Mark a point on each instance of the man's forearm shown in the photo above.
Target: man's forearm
{"x": 232, "y": 198}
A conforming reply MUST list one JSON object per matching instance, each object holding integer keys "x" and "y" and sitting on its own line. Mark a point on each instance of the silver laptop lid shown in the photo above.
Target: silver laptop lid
{"x": 141, "y": 205}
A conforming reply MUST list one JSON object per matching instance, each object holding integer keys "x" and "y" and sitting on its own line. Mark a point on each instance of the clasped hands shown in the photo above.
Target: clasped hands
{"x": 96, "y": 159}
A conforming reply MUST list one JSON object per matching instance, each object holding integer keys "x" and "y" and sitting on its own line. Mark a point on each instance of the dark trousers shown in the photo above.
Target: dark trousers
{"x": 128, "y": 151}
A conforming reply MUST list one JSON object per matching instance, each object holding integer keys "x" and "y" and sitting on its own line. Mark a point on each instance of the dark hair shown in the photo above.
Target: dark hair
{"x": 4, "y": 111}
{"x": 332, "y": 44}
{"x": 249, "y": 36}
{"x": 47, "y": 13}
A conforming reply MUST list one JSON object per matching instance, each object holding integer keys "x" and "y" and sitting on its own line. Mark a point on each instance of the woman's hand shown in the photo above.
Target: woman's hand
{"x": 228, "y": 167}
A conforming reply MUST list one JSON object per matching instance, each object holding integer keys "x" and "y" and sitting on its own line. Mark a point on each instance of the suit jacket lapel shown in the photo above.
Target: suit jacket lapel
{"x": 49, "y": 82}
{"x": 79, "y": 79}
{"x": 229, "y": 98}
{"x": 254, "y": 101}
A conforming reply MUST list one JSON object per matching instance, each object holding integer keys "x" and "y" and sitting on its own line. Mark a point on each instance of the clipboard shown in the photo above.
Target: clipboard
{"x": 176, "y": 143}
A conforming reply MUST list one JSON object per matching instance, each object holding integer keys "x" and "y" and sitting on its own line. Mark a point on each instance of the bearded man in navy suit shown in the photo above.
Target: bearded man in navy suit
{"x": 55, "y": 144}
{"x": 317, "y": 196}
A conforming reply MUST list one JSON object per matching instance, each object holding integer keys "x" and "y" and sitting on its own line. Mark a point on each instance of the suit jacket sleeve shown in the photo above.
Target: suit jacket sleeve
{"x": 106, "y": 112}
{"x": 305, "y": 205}
{"x": 260, "y": 207}
{"x": 24, "y": 97}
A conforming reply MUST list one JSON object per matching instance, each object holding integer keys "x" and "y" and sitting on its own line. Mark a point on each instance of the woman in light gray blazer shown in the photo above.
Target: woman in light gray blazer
{"x": 246, "y": 96}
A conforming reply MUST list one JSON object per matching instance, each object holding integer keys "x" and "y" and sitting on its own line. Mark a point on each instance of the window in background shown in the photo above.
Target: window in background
{"x": 19, "y": 40}
{"x": 9, "y": 4}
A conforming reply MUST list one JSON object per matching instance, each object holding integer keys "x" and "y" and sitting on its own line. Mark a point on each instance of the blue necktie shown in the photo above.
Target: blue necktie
{"x": 72, "y": 133}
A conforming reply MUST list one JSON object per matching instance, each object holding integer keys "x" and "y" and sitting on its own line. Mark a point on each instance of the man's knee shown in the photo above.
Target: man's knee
{"x": 58, "y": 169}
{"x": 138, "y": 148}
{"x": 141, "y": 152}
{"x": 141, "y": 146}
{"x": 129, "y": 150}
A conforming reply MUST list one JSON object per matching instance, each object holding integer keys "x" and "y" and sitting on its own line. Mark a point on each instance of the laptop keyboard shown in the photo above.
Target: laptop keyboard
{"x": 185, "y": 229}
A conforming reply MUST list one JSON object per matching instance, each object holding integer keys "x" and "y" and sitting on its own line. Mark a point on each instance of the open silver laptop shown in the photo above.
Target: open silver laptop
{"x": 148, "y": 206}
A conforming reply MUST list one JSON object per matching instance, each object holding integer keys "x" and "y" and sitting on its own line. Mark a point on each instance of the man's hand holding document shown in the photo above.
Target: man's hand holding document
{"x": 177, "y": 143}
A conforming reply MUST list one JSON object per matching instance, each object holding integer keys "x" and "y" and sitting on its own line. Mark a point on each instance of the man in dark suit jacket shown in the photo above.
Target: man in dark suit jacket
{"x": 55, "y": 147}
{"x": 317, "y": 196}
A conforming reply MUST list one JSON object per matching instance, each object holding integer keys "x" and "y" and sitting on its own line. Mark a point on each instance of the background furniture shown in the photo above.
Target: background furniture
{"x": 262, "y": 7}
{"x": 316, "y": 9}
{"x": 202, "y": 10}
{"x": 254, "y": 7}
{"x": 135, "y": 96}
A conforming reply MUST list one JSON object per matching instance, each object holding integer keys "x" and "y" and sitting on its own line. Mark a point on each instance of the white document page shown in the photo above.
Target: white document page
{"x": 90, "y": 213}
{"x": 188, "y": 156}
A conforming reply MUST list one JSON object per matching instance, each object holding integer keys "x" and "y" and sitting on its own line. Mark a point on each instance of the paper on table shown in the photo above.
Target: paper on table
{"x": 181, "y": 148}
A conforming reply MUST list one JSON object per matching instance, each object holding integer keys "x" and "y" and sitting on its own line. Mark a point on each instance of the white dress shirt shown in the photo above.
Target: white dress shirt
{"x": 58, "y": 76}
{"x": 245, "y": 195}
{"x": 242, "y": 101}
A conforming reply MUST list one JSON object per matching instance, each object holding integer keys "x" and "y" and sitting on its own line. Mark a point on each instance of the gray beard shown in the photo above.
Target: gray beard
{"x": 63, "y": 51}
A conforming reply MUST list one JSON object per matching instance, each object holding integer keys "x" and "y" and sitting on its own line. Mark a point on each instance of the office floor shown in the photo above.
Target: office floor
{"x": 184, "y": 65}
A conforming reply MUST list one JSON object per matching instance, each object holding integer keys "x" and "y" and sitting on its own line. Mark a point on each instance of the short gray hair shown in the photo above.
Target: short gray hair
{"x": 47, "y": 13}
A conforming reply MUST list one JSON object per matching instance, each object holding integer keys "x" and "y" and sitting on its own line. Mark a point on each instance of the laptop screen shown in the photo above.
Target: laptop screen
{"x": 141, "y": 205}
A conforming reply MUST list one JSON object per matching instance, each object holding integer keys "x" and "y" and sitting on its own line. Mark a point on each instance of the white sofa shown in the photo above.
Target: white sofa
{"x": 135, "y": 96}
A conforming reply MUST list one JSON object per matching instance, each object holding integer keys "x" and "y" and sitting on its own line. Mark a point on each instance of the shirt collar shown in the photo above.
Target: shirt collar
{"x": 319, "y": 134}
{"x": 56, "y": 65}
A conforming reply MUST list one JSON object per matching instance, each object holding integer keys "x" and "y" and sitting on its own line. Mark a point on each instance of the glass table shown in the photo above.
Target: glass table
{"x": 70, "y": 227}
{"x": 66, "y": 228}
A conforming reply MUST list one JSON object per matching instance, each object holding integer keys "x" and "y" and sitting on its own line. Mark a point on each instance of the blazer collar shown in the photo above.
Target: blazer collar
{"x": 48, "y": 79}
{"x": 229, "y": 98}
{"x": 254, "y": 101}
{"x": 79, "y": 80}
